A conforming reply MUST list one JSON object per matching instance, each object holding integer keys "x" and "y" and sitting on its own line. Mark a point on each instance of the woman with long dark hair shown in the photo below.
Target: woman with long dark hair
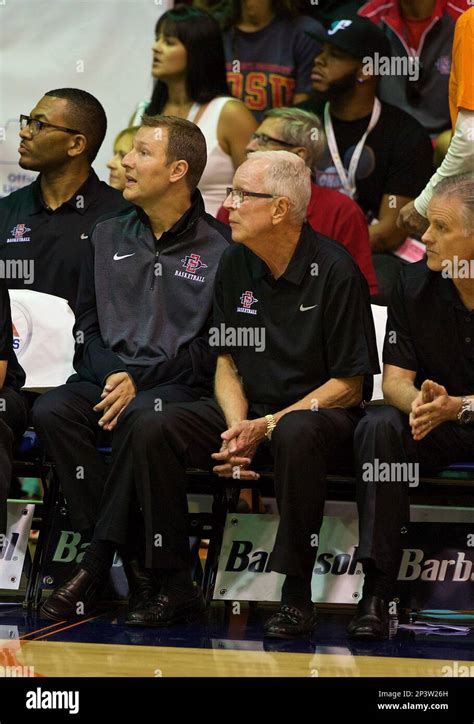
{"x": 189, "y": 68}
{"x": 268, "y": 53}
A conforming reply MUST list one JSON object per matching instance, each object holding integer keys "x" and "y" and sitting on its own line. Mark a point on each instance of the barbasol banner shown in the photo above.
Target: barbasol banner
{"x": 245, "y": 575}
{"x": 436, "y": 570}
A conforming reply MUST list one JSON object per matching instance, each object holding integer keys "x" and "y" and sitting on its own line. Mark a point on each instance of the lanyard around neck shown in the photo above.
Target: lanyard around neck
{"x": 348, "y": 179}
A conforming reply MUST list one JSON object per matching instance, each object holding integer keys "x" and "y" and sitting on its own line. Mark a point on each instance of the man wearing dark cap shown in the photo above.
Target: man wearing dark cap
{"x": 377, "y": 153}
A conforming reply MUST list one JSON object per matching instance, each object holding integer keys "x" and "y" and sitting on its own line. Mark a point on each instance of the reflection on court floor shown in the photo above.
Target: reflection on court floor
{"x": 219, "y": 645}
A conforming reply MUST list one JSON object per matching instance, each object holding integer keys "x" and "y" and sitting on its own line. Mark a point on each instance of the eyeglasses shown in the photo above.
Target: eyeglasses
{"x": 239, "y": 196}
{"x": 35, "y": 126}
{"x": 265, "y": 140}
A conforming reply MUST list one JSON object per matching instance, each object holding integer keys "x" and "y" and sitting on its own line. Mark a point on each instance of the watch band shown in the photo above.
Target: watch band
{"x": 271, "y": 425}
{"x": 465, "y": 414}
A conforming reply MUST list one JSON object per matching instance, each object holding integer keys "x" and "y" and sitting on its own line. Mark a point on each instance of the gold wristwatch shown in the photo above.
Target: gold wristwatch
{"x": 271, "y": 425}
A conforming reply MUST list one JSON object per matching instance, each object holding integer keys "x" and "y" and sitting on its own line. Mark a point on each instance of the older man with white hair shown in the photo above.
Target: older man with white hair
{"x": 428, "y": 383}
{"x": 329, "y": 212}
{"x": 296, "y": 351}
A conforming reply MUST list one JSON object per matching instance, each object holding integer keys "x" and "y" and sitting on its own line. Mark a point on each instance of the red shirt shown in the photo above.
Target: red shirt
{"x": 335, "y": 215}
{"x": 415, "y": 29}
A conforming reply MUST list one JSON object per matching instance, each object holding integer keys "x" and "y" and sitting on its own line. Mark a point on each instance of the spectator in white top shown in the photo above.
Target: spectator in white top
{"x": 189, "y": 68}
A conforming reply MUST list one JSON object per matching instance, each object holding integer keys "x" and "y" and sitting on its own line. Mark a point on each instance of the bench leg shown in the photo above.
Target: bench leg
{"x": 34, "y": 591}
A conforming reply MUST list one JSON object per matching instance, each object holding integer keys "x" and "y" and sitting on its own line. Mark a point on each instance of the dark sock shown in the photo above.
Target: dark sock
{"x": 99, "y": 557}
{"x": 296, "y": 592}
{"x": 376, "y": 582}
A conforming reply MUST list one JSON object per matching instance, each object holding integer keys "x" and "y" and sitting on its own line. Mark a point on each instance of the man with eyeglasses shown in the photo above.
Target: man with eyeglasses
{"x": 296, "y": 351}
{"x": 376, "y": 153}
{"x": 47, "y": 223}
{"x": 333, "y": 214}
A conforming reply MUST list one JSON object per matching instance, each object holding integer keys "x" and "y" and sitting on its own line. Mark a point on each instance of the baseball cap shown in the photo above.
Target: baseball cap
{"x": 356, "y": 36}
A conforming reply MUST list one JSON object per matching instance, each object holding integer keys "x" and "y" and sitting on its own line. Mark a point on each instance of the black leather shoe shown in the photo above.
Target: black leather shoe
{"x": 142, "y": 584}
{"x": 163, "y": 611}
{"x": 371, "y": 620}
{"x": 289, "y": 622}
{"x": 82, "y": 588}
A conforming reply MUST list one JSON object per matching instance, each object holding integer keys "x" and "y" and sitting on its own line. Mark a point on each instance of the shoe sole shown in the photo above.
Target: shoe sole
{"x": 367, "y": 636}
{"x": 44, "y": 613}
{"x": 74, "y": 616}
{"x": 275, "y": 635}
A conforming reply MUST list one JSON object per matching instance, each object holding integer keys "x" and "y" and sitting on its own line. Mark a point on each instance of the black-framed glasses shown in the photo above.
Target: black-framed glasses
{"x": 238, "y": 196}
{"x": 264, "y": 139}
{"x": 35, "y": 125}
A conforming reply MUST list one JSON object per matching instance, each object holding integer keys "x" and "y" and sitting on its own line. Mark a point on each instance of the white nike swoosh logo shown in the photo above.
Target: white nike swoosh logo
{"x": 84, "y": 236}
{"x": 117, "y": 257}
{"x": 305, "y": 309}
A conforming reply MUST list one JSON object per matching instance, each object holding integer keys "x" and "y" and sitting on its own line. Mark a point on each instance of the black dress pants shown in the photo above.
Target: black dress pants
{"x": 384, "y": 436}
{"x": 159, "y": 448}
{"x": 68, "y": 427}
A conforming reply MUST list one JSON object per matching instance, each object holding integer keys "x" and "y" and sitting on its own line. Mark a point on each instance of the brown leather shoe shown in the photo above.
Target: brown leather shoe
{"x": 65, "y": 602}
{"x": 371, "y": 620}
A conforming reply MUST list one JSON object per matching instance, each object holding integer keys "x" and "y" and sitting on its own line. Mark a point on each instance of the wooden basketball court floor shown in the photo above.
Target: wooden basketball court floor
{"x": 221, "y": 644}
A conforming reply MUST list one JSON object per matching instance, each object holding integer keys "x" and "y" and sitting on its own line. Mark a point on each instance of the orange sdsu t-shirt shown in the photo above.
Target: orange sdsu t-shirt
{"x": 461, "y": 81}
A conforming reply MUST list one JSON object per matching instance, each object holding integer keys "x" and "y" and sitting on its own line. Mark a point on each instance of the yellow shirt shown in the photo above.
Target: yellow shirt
{"x": 461, "y": 80}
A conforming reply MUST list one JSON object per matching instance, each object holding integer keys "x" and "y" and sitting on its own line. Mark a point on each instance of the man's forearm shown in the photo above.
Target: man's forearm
{"x": 459, "y": 159}
{"x": 3, "y": 372}
{"x": 341, "y": 392}
{"x": 229, "y": 392}
{"x": 385, "y": 236}
{"x": 400, "y": 394}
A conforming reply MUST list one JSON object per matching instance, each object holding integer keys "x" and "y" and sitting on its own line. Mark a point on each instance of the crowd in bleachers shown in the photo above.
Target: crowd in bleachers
{"x": 294, "y": 164}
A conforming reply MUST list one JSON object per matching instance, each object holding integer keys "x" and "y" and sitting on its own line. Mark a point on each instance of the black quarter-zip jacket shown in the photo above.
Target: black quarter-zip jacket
{"x": 144, "y": 306}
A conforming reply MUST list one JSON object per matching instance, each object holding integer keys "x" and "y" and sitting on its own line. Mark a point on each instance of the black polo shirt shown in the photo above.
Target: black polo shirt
{"x": 53, "y": 240}
{"x": 316, "y": 317}
{"x": 430, "y": 331}
{"x": 15, "y": 376}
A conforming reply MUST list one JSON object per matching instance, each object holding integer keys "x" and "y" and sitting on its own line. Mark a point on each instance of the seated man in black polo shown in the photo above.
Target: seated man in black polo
{"x": 429, "y": 385}
{"x": 44, "y": 226}
{"x": 294, "y": 333}
{"x": 13, "y": 409}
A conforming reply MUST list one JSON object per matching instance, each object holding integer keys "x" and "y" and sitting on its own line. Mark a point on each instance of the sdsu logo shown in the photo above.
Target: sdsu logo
{"x": 443, "y": 65}
{"x": 192, "y": 264}
{"x": 246, "y": 300}
{"x": 18, "y": 234}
